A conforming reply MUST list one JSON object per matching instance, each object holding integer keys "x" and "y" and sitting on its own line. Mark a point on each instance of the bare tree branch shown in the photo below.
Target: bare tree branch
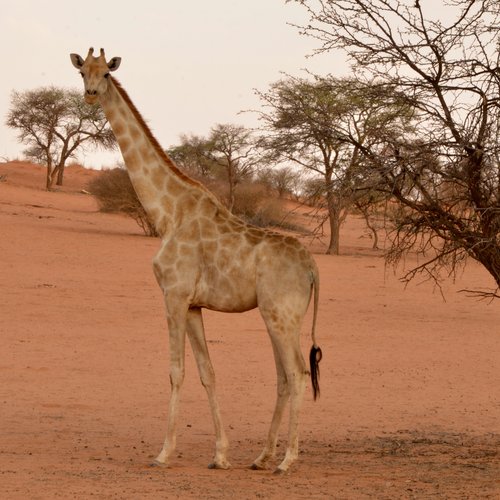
{"x": 446, "y": 172}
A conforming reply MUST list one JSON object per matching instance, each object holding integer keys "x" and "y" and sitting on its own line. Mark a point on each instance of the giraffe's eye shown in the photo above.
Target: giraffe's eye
{"x": 106, "y": 75}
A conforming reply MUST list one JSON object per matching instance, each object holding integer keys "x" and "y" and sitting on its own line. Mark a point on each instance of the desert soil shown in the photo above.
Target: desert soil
{"x": 410, "y": 382}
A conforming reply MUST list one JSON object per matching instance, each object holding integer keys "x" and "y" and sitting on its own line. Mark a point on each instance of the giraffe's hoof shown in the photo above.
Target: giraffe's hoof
{"x": 279, "y": 472}
{"x": 157, "y": 463}
{"x": 221, "y": 466}
{"x": 255, "y": 466}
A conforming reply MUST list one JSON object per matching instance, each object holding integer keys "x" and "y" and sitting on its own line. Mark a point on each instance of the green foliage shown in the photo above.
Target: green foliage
{"x": 312, "y": 123}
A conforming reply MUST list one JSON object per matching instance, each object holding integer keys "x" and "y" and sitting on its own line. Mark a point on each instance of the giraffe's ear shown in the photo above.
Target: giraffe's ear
{"x": 76, "y": 60}
{"x": 114, "y": 63}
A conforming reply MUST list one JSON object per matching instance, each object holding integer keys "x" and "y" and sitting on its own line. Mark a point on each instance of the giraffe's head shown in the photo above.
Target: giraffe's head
{"x": 95, "y": 73}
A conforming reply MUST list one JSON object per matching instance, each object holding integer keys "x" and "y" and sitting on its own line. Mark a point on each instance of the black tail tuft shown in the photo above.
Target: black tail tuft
{"x": 314, "y": 358}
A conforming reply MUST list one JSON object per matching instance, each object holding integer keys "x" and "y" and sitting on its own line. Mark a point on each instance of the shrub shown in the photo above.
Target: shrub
{"x": 115, "y": 193}
{"x": 253, "y": 204}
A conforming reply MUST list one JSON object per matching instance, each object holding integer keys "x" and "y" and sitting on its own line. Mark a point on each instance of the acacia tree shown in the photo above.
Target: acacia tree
{"x": 54, "y": 123}
{"x": 192, "y": 155}
{"x": 449, "y": 72}
{"x": 232, "y": 147}
{"x": 286, "y": 181}
{"x": 229, "y": 152}
{"x": 310, "y": 123}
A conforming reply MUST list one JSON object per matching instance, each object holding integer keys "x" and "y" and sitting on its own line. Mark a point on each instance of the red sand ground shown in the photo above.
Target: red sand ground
{"x": 410, "y": 402}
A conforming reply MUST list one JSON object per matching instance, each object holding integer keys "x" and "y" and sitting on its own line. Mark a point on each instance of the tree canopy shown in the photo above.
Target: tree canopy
{"x": 229, "y": 152}
{"x": 320, "y": 125}
{"x": 54, "y": 123}
{"x": 447, "y": 171}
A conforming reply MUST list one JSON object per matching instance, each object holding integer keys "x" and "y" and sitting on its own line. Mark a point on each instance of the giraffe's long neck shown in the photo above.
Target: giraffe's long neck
{"x": 158, "y": 182}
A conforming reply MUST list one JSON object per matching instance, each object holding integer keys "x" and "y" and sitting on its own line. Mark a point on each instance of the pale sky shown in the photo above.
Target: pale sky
{"x": 186, "y": 64}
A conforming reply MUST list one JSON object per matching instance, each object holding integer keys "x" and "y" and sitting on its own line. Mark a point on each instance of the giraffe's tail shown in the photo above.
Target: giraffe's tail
{"x": 315, "y": 355}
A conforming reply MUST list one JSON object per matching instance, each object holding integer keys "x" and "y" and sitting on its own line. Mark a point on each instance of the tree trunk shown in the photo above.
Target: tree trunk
{"x": 489, "y": 257}
{"x": 334, "y": 246}
{"x": 60, "y": 174}
{"x": 334, "y": 219}
{"x": 371, "y": 227}
{"x": 65, "y": 154}
{"x": 48, "y": 182}
{"x": 230, "y": 176}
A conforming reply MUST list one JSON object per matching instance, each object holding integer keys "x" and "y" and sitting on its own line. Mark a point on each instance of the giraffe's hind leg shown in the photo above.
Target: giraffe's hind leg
{"x": 296, "y": 376}
{"x": 284, "y": 330}
{"x": 282, "y": 398}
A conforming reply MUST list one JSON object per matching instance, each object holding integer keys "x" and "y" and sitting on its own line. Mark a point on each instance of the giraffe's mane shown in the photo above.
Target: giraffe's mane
{"x": 161, "y": 152}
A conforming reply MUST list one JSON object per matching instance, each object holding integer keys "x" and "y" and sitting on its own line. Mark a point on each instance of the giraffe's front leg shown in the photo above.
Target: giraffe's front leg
{"x": 196, "y": 336}
{"x": 177, "y": 336}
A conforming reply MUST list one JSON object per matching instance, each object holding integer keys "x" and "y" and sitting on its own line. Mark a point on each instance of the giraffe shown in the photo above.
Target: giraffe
{"x": 210, "y": 259}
